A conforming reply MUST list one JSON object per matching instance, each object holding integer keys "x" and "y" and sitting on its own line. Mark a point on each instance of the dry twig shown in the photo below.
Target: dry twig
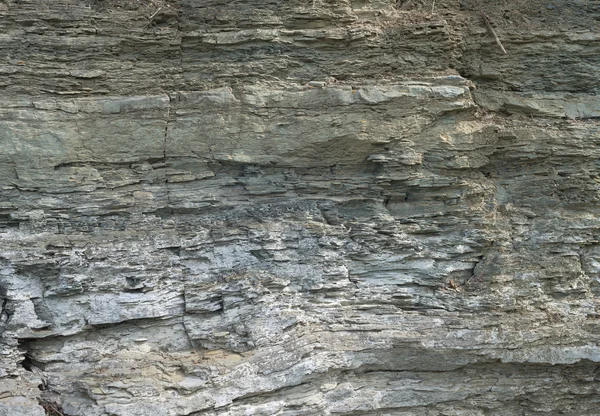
{"x": 468, "y": 280}
{"x": 154, "y": 14}
{"x": 51, "y": 409}
{"x": 405, "y": 5}
{"x": 486, "y": 20}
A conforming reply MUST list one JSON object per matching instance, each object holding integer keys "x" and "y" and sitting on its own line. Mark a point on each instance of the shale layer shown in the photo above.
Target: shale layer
{"x": 299, "y": 207}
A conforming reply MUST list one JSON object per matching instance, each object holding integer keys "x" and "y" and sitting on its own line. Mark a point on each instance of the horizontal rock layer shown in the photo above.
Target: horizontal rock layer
{"x": 347, "y": 207}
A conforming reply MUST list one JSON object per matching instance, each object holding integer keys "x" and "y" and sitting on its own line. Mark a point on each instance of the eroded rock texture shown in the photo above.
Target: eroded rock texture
{"x": 299, "y": 207}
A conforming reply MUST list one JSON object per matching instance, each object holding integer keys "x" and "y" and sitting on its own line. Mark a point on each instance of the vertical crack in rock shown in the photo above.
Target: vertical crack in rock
{"x": 166, "y": 137}
{"x": 4, "y": 313}
{"x": 168, "y": 120}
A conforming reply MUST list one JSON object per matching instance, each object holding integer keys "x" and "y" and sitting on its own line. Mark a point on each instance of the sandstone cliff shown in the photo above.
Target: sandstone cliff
{"x": 299, "y": 207}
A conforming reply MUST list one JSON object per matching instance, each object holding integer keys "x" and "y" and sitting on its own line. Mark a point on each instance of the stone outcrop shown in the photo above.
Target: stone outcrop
{"x": 300, "y": 207}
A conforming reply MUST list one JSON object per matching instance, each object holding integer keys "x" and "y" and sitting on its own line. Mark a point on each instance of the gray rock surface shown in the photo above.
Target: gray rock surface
{"x": 301, "y": 207}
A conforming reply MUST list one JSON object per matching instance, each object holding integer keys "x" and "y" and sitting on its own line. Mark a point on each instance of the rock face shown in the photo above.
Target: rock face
{"x": 299, "y": 207}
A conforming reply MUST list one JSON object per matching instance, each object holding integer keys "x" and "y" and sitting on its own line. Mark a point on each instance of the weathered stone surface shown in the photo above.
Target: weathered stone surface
{"x": 299, "y": 207}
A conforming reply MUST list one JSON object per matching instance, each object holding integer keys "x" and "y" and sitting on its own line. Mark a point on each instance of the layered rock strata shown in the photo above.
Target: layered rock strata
{"x": 302, "y": 207}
